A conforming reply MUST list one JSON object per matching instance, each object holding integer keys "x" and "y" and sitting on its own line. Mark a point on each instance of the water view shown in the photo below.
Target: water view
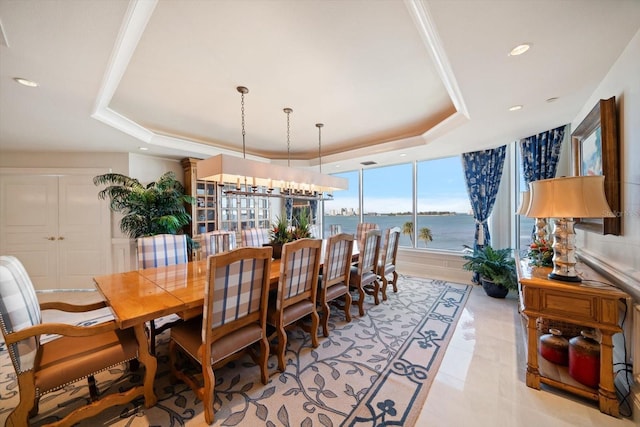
{"x": 449, "y": 232}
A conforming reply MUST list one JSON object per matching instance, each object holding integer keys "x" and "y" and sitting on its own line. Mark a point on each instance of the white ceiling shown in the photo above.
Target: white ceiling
{"x": 418, "y": 77}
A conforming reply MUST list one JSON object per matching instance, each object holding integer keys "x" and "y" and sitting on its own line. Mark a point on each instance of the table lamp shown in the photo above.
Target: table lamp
{"x": 541, "y": 223}
{"x": 565, "y": 199}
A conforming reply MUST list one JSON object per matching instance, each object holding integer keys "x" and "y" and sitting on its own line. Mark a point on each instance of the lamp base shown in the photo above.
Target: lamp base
{"x": 574, "y": 279}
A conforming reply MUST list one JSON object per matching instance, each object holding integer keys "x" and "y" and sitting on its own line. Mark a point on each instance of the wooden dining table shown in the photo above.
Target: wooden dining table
{"x": 139, "y": 296}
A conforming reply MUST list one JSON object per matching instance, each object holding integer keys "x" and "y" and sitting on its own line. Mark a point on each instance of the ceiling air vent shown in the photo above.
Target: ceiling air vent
{"x": 368, "y": 163}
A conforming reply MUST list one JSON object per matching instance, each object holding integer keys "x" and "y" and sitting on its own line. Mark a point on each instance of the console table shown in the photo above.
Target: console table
{"x": 592, "y": 304}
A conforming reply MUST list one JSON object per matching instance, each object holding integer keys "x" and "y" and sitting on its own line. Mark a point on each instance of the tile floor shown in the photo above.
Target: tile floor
{"x": 481, "y": 381}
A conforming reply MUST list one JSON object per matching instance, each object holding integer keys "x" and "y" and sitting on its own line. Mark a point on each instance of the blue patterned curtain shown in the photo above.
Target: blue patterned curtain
{"x": 288, "y": 208}
{"x": 540, "y": 154}
{"x": 483, "y": 170}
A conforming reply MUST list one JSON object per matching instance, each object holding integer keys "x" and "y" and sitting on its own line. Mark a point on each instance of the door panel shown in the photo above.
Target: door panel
{"x": 29, "y": 225}
{"x": 83, "y": 236}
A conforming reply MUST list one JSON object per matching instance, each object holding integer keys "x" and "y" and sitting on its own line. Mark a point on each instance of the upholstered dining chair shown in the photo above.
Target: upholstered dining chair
{"x": 387, "y": 262}
{"x": 297, "y": 291}
{"x": 334, "y": 281}
{"x": 255, "y": 237}
{"x": 363, "y": 276}
{"x": 361, "y": 231}
{"x": 80, "y": 352}
{"x": 156, "y": 251}
{"x": 217, "y": 241}
{"x": 234, "y": 318}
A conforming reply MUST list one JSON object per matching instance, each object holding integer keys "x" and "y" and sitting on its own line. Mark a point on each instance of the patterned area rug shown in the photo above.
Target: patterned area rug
{"x": 375, "y": 370}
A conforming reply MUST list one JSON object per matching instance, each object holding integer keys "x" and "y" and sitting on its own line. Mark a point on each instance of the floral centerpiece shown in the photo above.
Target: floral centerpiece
{"x": 281, "y": 233}
{"x": 541, "y": 253}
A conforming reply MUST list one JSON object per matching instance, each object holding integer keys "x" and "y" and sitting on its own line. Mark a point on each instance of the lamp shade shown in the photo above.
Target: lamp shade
{"x": 569, "y": 197}
{"x": 525, "y": 196}
{"x": 230, "y": 169}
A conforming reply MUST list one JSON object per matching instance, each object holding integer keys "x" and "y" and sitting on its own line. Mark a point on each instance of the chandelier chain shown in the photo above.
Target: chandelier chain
{"x": 244, "y": 154}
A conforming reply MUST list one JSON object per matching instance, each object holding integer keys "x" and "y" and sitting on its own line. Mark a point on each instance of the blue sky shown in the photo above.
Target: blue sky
{"x": 441, "y": 187}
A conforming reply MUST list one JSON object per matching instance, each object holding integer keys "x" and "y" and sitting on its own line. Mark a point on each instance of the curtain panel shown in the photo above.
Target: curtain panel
{"x": 483, "y": 171}
{"x": 540, "y": 154}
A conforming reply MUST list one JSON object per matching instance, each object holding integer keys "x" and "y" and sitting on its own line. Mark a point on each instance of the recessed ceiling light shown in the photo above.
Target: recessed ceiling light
{"x": 520, "y": 49}
{"x": 26, "y": 82}
{"x": 143, "y": 148}
{"x": 403, "y": 154}
{"x": 515, "y": 108}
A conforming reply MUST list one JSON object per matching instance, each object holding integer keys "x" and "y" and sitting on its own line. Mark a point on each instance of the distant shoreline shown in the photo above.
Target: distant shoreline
{"x": 403, "y": 214}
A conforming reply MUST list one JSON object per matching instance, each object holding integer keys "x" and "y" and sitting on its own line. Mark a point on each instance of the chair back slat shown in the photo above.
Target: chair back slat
{"x": 237, "y": 288}
{"x": 368, "y": 258}
{"x": 361, "y": 231}
{"x": 337, "y": 258}
{"x": 255, "y": 237}
{"x": 19, "y": 309}
{"x": 388, "y": 254}
{"x": 299, "y": 268}
{"x": 217, "y": 241}
{"x": 162, "y": 250}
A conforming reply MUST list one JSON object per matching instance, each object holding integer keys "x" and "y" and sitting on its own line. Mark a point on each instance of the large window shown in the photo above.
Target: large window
{"x": 387, "y": 198}
{"x": 444, "y": 216}
{"x": 343, "y": 212}
{"x": 444, "y": 220}
{"x": 524, "y": 225}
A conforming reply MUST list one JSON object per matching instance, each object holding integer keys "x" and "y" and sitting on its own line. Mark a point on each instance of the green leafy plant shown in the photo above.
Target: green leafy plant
{"x": 496, "y": 265}
{"x": 302, "y": 227}
{"x": 155, "y": 208}
{"x": 279, "y": 234}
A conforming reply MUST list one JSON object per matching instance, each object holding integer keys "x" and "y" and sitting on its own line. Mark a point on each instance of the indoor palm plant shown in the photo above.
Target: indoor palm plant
{"x": 496, "y": 267}
{"x": 155, "y": 208}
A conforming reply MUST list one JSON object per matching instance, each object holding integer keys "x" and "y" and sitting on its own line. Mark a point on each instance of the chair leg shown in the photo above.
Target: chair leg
{"x": 282, "y": 345}
{"x": 347, "y": 306}
{"x": 264, "y": 356}
{"x": 27, "y": 406}
{"x": 361, "y": 300}
{"x": 385, "y": 282}
{"x": 325, "y": 319}
{"x": 314, "y": 328}
{"x": 207, "y": 393}
{"x": 94, "y": 395}
{"x": 395, "y": 281}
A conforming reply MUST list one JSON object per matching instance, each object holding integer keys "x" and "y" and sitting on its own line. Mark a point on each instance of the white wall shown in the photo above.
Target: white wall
{"x": 619, "y": 256}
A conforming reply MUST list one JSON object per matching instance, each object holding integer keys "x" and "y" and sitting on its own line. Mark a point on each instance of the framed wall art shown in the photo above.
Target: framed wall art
{"x": 595, "y": 151}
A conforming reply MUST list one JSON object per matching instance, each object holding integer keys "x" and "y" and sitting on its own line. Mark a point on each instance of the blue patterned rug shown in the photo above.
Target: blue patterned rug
{"x": 374, "y": 371}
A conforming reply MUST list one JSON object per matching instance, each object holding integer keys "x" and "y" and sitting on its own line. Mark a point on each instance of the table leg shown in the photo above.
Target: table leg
{"x": 606, "y": 393}
{"x": 150, "y": 365}
{"x": 533, "y": 374}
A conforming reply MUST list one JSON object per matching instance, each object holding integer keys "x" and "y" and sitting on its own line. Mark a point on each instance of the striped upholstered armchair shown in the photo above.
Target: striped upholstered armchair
{"x": 80, "y": 352}
{"x": 255, "y": 237}
{"x": 334, "y": 282}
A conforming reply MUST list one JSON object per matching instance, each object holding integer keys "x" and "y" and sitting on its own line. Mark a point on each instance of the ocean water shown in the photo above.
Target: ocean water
{"x": 449, "y": 232}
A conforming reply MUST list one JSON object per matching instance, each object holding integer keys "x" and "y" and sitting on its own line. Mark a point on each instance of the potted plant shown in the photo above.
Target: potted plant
{"x": 497, "y": 270}
{"x": 157, "y": 208}
{"x": 279, "y": 234}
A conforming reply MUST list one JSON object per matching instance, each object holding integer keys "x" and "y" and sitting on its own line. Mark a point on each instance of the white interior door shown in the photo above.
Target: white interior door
{"x": 57, "y": 227}
{"x": 83, "y": 232}
{"x": 29, "y": 225}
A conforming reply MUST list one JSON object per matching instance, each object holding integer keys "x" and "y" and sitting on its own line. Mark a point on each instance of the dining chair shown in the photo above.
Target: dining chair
{"x": 255, "y": 237}
{"x": 234, "y": 319}
{"x": 361, "y": 231}
{"x": 217, "y": 241}
{"x": 387, "y": 262}
{"x": 156, "y": 251}
{"x": 79, "y": 352}
{"x": 297, "y": 291}
{"x": 363, "y": 276}
{"x": 334, "y": 281}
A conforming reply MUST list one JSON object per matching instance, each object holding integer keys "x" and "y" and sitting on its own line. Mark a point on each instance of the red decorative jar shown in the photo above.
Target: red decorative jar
{"x": 554, "y": 347}
{"x": 584, "y": 359}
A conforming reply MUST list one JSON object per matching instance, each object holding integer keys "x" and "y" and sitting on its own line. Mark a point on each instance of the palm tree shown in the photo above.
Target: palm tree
{"x": 425, "y": 234}
{"x": 157, "y": 208}
{"x": 407, "y": 228}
